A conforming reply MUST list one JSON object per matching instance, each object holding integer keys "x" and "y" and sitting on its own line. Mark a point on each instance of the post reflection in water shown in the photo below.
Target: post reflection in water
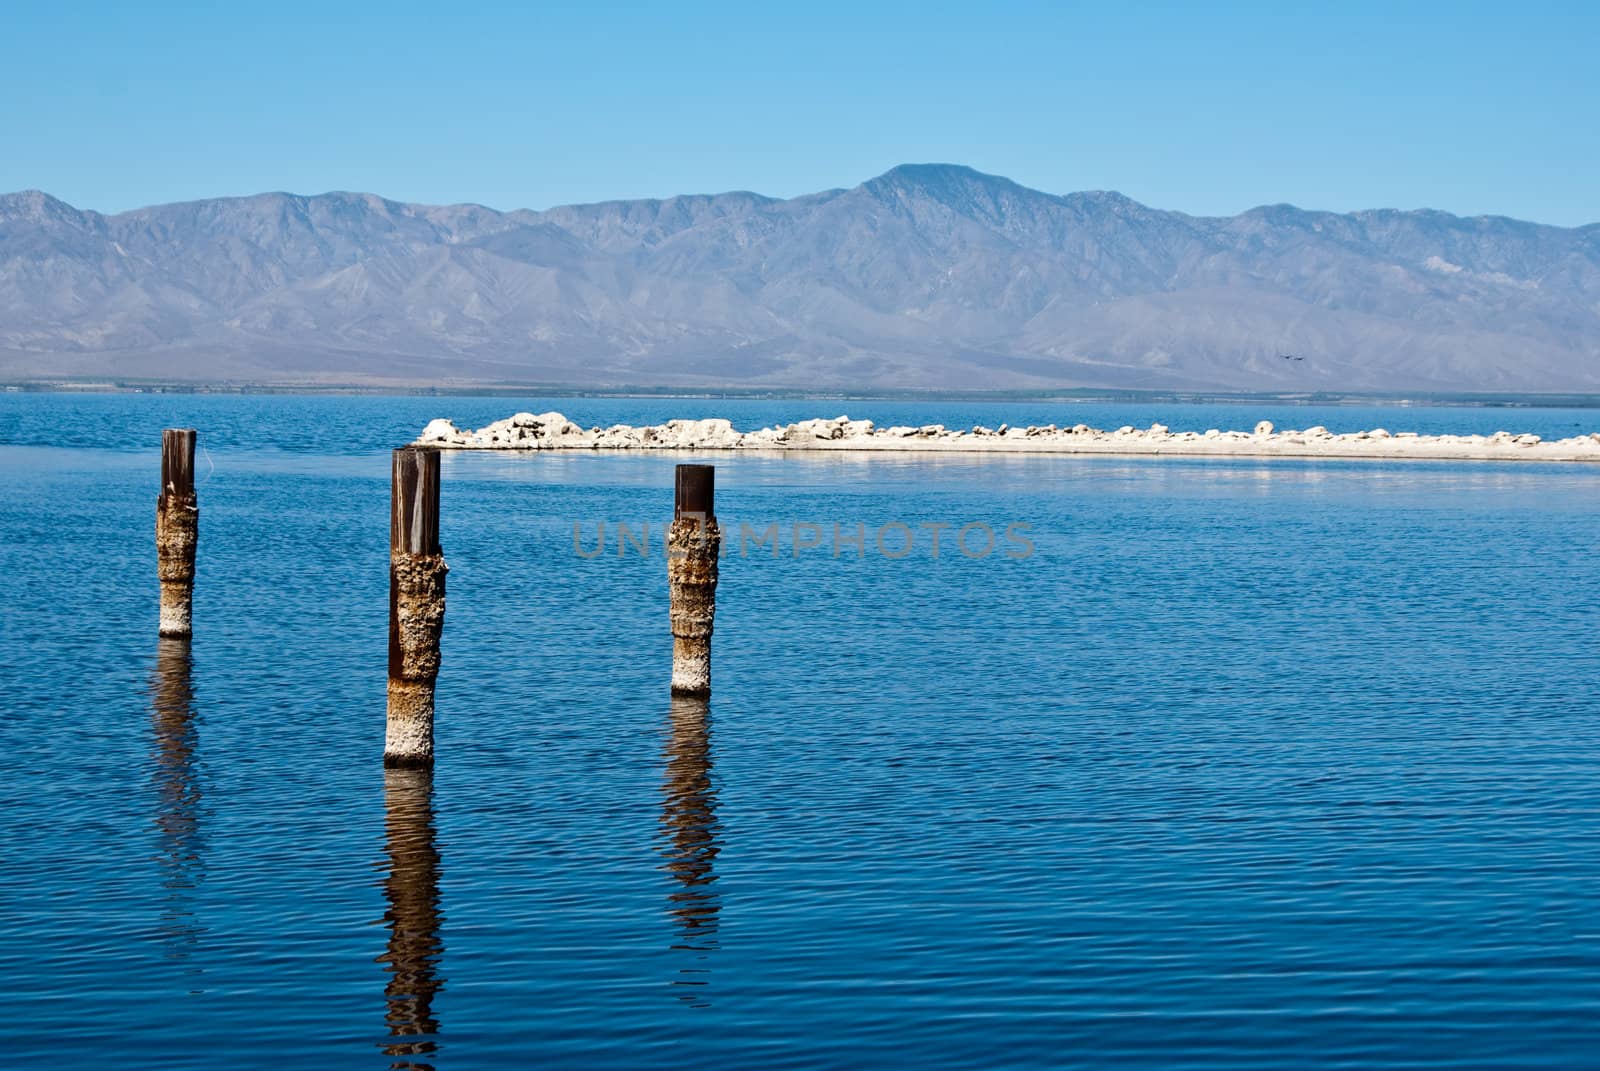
{"x": 174, "y": 743}
{"x": 690, "y": 841}
{"x": 412, "y": 891}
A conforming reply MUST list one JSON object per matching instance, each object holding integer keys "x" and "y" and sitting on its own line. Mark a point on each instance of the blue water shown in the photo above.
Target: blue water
{"x": 1248, "y": 764}
{"x": 351, "y": 424}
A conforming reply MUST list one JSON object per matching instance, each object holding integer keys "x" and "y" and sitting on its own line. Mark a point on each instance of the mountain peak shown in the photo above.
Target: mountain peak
{"x": 930, "y": 172}
{"x": 990, "y": 199}
{"x": 34, "y": 205}
{"x": 933, "y": 178}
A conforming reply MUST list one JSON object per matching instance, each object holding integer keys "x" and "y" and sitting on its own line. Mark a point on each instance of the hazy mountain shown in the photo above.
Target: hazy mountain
{"x": 927, "y": 276}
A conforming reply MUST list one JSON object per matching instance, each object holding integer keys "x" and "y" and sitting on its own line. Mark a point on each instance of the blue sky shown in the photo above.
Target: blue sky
{"x": 1206, "y": 108}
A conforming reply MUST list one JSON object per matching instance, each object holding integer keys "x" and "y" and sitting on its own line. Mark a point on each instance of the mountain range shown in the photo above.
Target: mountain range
{"x": 929, "y": 276}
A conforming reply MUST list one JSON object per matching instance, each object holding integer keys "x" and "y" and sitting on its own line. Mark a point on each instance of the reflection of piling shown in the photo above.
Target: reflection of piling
{"x": 412, "y": 892}
{"x": 177, "y": 530}
{"x": 416, "y": 606}
{"x": 690, "y": 832}
{"x": 177, "y": 786}
{"x": 693, "y": 542}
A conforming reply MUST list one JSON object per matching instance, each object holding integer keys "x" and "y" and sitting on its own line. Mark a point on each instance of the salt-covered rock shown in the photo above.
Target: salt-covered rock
{"x": 439, "y": 431}
{"x": 808, "y": 431}
{"x": 545, "y": 431}
{"x": 760, "y": 437}
{"x": 547, "y": 424}
{"x": 712, "y": 433}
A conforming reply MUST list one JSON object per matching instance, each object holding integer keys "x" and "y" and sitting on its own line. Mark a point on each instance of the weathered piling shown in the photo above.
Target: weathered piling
{"x": 693, "y": 543}
{"x": 177, "y": 531}
{"x": 416, "y": 606}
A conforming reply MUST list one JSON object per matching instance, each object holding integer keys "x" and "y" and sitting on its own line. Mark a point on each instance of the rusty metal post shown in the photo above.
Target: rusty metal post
{"x": 693, "y": 543}
{"x": 416, "y": 606}
{"x": 177, "y": 531}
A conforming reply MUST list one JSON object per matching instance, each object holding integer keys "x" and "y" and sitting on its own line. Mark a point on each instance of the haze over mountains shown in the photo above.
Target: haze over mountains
{"x": 929, "y": 276}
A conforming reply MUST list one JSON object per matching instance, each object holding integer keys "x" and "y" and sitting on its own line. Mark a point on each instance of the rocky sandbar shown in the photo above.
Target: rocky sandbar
{"x": 553, "y": 431}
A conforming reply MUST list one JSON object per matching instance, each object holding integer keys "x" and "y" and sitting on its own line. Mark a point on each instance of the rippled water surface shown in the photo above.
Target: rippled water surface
{"x": 1248, "y": 764}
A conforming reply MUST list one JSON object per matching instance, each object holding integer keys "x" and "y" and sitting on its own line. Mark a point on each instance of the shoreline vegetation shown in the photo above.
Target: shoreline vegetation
{"x": 553, "y": 431}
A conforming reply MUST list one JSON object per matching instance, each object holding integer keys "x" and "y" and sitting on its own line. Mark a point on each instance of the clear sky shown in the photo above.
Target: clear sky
{"x": 1203, "y": 107}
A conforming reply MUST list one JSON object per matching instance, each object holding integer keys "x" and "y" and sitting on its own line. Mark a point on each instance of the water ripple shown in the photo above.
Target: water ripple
{"x": 1247, "y": 766}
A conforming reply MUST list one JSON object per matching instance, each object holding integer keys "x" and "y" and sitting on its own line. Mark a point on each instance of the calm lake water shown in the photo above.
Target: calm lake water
{"x": 1247, "y": 764}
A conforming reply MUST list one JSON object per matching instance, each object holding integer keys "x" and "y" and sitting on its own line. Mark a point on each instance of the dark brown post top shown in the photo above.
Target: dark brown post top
{"x": 414, "y": 504}
{"x": 177, "y": 462}
{"x": 695, "y": 492}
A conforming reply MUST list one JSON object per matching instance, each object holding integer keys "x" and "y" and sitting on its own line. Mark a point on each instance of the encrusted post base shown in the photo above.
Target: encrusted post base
{"x": 692, "y": 548}
{"x": 177, "y": 535}
{"x": 416, "y": 622}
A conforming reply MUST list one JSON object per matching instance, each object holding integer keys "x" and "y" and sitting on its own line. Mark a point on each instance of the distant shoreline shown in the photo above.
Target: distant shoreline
{"x": 1076, "y": 396}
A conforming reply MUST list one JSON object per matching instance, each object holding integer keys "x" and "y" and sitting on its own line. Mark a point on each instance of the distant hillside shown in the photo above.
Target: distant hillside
{"x": 929, "y": 276}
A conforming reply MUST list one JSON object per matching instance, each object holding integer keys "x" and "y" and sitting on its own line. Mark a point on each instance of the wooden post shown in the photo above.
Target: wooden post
{"x": 416, "y": 606}
{"x": 412, "y": 892}
{"x": 177, "y": 531}
{"x": 693, "y": 543}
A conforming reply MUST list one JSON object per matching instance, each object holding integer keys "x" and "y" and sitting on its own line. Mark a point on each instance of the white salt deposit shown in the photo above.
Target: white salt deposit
{"x": 553, "y": 431}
